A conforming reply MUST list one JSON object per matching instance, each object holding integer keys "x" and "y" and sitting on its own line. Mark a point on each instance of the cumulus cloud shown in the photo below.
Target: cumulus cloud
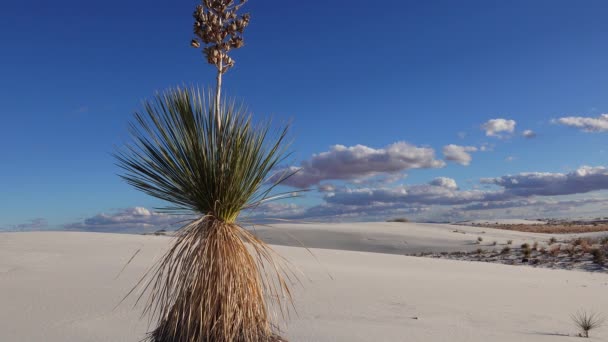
{"x": 585, "y": 124}
{"x": 496, "y": 127}
{"x": 444, "y": 182}
{"x": 359, "y": 161}
{"x": 130, "y": 219}
{"x": 459, "y": 154}
{"x": 528, "y": 134}
{"x": 582, "y": 180}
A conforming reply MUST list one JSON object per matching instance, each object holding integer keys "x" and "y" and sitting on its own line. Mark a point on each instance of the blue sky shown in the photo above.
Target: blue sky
{"x": 429, "y": 73}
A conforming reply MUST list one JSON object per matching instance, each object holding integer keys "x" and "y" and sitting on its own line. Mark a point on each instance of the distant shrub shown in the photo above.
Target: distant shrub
{"x": 552, "y": 240}
{"x": 505, "y": 250}
{"x": 399, "y": 219}
{"x": 479, "y": 239}
{"x": 509, "y": 242}
{"x": 479, "y": 251}
{"x": 587, "y": 321}
{"x": 494, "y": 243}
{"x": 535, "y": 245}
{"x": 555, "y": 250}
{"x": 525, "y": 246}
{"x": 598, "y": 256}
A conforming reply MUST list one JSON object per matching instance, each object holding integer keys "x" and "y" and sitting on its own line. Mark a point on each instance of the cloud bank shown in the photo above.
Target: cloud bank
{"x": 359, "y": 161}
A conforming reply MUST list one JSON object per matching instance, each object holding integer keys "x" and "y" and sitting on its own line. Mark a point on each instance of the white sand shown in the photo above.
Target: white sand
{"x": 59, "y": 287}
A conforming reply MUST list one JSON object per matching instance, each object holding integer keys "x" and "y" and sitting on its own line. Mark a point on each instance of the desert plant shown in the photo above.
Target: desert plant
{"x": 525, "y": 246}
{"x": 598, "y": 256}
{"x": 552, "y": 240}
{"x": 494, "y": 243}
{"x": 479, "y": 239}
{"x": 586, "y": 321}
{"x": 208, "y": 159}
{"x": 535, "y": 245}
{"x": 509, "y": 242}
{"x": 555, "y": 250}
{"x": 505, "y": 250}
{"x": 399, "y": 219}
{"x": 208, "y": 286}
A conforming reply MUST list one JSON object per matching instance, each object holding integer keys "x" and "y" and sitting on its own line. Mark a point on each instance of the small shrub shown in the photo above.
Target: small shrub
{"x": 399, "y": 219}
{"x": 527, "y": 252}
{"x": 506, "y": 250}
{"x": 578, "y": 241}
{"x": 598, "y": 256}
{"x": 535, "y": 245}
{"x": 552, "y": 240}
{"x": 494, "y": 243}
{"x": 479, "y": 251}
{"x": 585, "y": 246}
{"x": 525, "y": 246}
{"x": 555, "y": 250}
{"x": 587, "y": 321}
{"x": 479, "y": 239}
{"x": 509, "y": 242}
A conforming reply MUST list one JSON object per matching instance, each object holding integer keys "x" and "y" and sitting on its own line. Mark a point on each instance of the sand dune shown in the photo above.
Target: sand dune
{"x": 58, "y": 286}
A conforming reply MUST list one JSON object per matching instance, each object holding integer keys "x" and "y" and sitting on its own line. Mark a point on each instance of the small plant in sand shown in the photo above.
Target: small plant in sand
{"x": 479, "y": 251}
{"x": 598, "y": 256}
{"x": 535, "y": 245}
{"x": 552, "y": 240}
{"x": 506, "y": 250}
{"x": 494, "y": 243}
{"x": 555, "y": 250}
{"x": 587, "y": 321}
{"x": 479, "y": 239}
{"x": 525, "y": 246}
{"x": 209, "y": 160}
{"x": 509, "y": 242}
{"x": 526, "y": 253}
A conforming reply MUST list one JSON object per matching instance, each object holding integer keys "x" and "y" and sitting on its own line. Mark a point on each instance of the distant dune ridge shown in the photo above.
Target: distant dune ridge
{"x": 64, "y": 286}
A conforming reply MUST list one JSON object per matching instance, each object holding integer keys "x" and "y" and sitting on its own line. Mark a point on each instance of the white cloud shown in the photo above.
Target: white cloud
{"x": 359, "y": 161}
{"x": 495, "y": 127}
{"x": 445, "y": 182}
{"x": 459, "y": 154}
{"x": 586, "y": 124}
{"x": 528, "y": 134}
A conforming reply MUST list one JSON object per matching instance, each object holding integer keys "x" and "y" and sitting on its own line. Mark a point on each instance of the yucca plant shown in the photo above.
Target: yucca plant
{"x": 217, "y": 282}
{"x": 213, "y": 282}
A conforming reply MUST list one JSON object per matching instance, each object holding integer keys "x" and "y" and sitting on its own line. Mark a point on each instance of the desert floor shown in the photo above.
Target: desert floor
{"x": 356, "y": 286}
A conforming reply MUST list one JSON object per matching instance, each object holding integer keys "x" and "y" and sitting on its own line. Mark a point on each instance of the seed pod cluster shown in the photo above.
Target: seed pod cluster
{"x": 220, "y": 28}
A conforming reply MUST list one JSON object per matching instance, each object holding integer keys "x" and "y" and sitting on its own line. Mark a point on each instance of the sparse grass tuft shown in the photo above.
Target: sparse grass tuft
{"x": 552, "y": 240}
{"x": 587, "y": 321}
{"x": 525, "y": 246}
{"x": 479, "y": 239}
{"x": 506, "y": 250}
{"x": 494, "y": 243}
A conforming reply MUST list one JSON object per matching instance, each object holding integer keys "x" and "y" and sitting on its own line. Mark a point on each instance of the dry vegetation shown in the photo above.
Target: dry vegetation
{"x": 552, "y": 227}
{"x": 580, "y": 253}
